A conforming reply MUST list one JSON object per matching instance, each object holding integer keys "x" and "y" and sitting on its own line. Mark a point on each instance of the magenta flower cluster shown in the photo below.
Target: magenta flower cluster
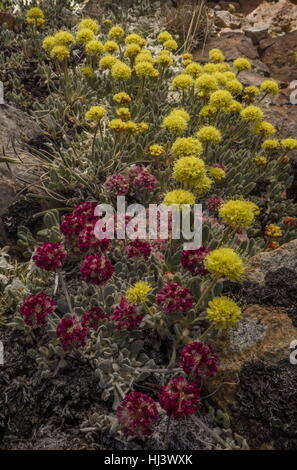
{"x": 180, "y": 398}
{"x": 198, "y": 360}
{"x": 117, "y": 185}
{"x": 137, "y": 414}
{"x": 174, "y": 298}
{"x": 50, "y": 256}
{"x": 138, "y": 249}
{"x": 36, "y": 308}
{"x": 213, "y": 203}
{"x": 96, "y": 269}
{"x": 71, "y": 333}
{"x": 141, "y": 179}
{"x": 193, "y": 261}
{"x": 126, "y": 315}
{"x": 93, "y": 317}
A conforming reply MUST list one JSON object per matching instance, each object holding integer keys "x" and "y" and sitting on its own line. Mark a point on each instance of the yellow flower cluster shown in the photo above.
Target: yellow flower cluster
{"x": 289, "y": 144}
{"x": 220, "y": 99}
{"x": 225, "y": 263}
{"x": 60, "y": 53}
{"x": 216, "y": 55}
{"x": 121, "y": 71}
{"x": 111, "y": 47}
{"x": 84, "y": 35}
{"x": 121, "y": 98}
{"x": 170, "y": 44}
{"x": 186, "y": 146}
{"x": 264, "y": 129}
{"x": 116, "y": 32}
{"x": 123, "y": 113}
{"x": 135, "y": 39}
{"x": 138, "y": 293}
{"x": 273, "y": 231}
{"x": 94, "y": 47}
{"x": 182, "y": 81}
{"x": 241, "y": 64}
{"x": 164, "y": 36}
{"x": 107, "y": 61}
{"x": 63, "y": 38}
{"x": 179, "y": 197}
{"x": 189, "y": 170}
{"x": 223, "y": 311}
{"x": 237, "y": 214}
{"x": 261, "y": 161}
{"x": 88, "y": 23}
{"x": 132, "y": 50}
{"x": 217, "y": 173}
{"x": 194, "y": 69}
{"x": 209, "y": 134}
{"x": 95, "y": 113}
{"x": 156, "y": 150}
{"x": 35, "y": 16}
{"x": 146, "y": 69}
{"x": 270, "y": 144}
{"x": 269, "y": 86}
{"x": 203, "y": 186}
{"x": 176, "y": 121}
{"x": 252, "y": 113}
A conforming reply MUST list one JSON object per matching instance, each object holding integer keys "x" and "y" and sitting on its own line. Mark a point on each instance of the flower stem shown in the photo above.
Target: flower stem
{"x": 66, "y": 293}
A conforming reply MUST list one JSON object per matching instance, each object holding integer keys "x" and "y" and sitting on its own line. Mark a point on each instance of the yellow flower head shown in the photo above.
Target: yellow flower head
{"x": 273, "y": 231}
{"x": 270, "y": 144}
{"x": 131, "y": 50}
{"x": 36, "y": 21}
{"x": 156, "y": 150}
{"x": 118, "y": 125}
{"x": 111, "y": 46}
{"x": 132, "y": 127}
{"x": 216, "y": 55}
{"x": 252, "y": 113}
{"x": 64, "y": 38}
{"x": 189, "y": 170}
{"x": 223, "y": 311}
{"x": 181, "y": 112}
{"x": 94, "y": 47}
{"x": 223, "y": 67}
{"x": 107, "y": 22}
{"x": 264, "y": 129}
{"x": 206, "y": 83}
{"x": 95, "y": 113}
{"x": 230, "y": 75}
{"x": 221, "y": 99}
{"x": 261, "y": 161}
{"x": 121, "y": 98}
{"x": 144, "y": 69}
{"x": 84, "y": 35}
{"x": 289, "y": 144}
{"x": 142, "y": 127}
{"x": 252, "y": 91}
{"x": 234, "y": 107}
{"x": 48, "y": 43}
{"x": 144, "y": 57}
{"x": 207, "y": 111}
{"x": 217, "y": 173}
{"x": 170, "y": 44}
{"x": 121, "y": 71}
{"x": 234, "y": 86}
{"x": 242, "y": 64}
{"x": 203, "y": 186}
{"x": 138, "y": 293}
{"x": 220, "y": 78}
{"x": 187, "y": 56}
{"x": 179, "y": 197}
{"x": 60, "y": 53}
{"x": 209, "y": 68}
{"x": 87, "y": 71}
{"x": 164, "y": 59}
{"x": 107, "y": 61}
{"x": 88, "y": 23}
{"x": 135, "y": 39}
{"x": 35, "y": 13}
{"x": 269, "y": 86}
{"x": 174, "y": 123}
{"x": 123, "y": 113}
{"x": 186, "y": 146}
{"x": 116, "y": 32}
{"x": 164, "y": 36}
{"x": 182, "y": 81}
{"x": 209, "y": 134}
{"x": 237, "y": 214}
{"x": 194, "y": 69}
{"x": 226, "y": 263}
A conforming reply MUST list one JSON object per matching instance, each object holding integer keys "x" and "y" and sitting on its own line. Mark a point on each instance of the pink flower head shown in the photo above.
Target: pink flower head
{"x": 36, "y": 309}
{"x": 213, "y": 203}
{"x": 85, "y": 211}
{"x": 71, "y": 225}
{"x": 50, "y": 256}
{"x": 93, "y": 317}
{"x": 193, "y": 260}
{"x": 179, "y": 398}
{"x": 87, "y": 240}
{"x": 137, "y": 414}
{"x": 174, "y": 298}
{"x": 71, "y": 333}
{"x": 117, "y": 185}
{"x": 142, "y": 179}
{"x": 126, "y": 315}
{"x": 198, "y": 360}
{"x": 138, "y": 248}
{"x": 96, "y": 269}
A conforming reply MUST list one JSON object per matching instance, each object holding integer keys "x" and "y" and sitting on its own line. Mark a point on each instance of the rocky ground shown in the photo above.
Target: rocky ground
{"x": 257, "y": 384}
